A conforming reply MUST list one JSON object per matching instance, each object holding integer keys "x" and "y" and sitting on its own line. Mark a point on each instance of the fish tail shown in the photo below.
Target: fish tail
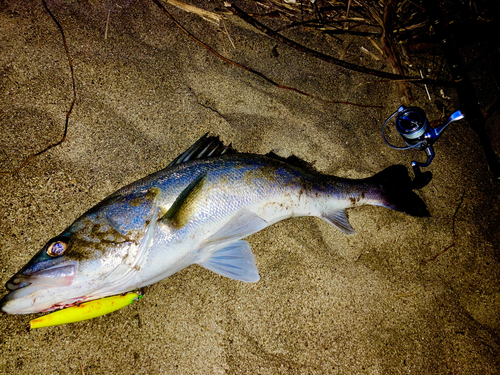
{"x": 393, "y": 186}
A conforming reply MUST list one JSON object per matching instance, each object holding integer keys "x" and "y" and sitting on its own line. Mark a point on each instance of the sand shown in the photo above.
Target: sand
{"x": 402, "y": 295}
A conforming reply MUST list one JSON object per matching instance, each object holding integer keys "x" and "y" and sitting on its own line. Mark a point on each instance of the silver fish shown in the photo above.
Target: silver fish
{"x": 195, "y": 211}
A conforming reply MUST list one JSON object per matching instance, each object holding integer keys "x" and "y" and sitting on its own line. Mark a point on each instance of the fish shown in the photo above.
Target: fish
{"x": 197, "y": 210}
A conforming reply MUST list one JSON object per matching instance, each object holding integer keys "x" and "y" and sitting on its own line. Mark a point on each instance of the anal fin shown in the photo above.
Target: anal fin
{"x": 338, "y": 218}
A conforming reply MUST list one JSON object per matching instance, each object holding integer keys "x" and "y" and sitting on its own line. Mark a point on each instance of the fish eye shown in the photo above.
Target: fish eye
{"x": 57, "y": 249}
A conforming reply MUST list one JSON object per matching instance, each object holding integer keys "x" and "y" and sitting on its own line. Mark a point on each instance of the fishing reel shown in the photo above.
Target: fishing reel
{"x": 413, "y": 126}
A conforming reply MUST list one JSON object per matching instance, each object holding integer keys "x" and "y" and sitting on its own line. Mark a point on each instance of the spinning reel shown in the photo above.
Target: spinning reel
{"x": 413, "y": 126}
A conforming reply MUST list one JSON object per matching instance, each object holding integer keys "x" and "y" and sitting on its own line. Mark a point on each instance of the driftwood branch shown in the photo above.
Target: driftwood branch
{"x": 347, "y": 65}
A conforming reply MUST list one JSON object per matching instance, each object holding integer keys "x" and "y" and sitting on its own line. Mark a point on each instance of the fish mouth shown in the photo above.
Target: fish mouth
{"x": 47, "y": 274}
{"x": 37, "y": 298}
{"x": 48, "y": 278}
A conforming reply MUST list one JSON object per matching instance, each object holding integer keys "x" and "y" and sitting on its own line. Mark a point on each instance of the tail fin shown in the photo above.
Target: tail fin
{"x": 396, "y": 191}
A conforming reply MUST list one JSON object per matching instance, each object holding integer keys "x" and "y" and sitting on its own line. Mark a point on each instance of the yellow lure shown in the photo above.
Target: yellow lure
{"x": 85, "y": 311}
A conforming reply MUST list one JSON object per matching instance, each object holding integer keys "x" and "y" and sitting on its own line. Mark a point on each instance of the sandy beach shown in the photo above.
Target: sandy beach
{"x": 402, "y": 295}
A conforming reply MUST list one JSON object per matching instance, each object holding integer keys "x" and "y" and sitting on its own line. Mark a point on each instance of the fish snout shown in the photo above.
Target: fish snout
{"x": 17, "y": 281}
{"x": 48, "y": 274}
{"x": 3, "y": 302}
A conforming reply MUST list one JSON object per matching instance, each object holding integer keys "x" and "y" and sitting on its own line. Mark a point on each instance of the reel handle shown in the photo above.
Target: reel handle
{"x": 455, "y": 116}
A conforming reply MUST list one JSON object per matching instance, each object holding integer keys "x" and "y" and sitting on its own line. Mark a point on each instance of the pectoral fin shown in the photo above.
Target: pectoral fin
{"x": 243, "y": 224}
{"x": 185, "y": 204}
{"x": 234, "y": 260}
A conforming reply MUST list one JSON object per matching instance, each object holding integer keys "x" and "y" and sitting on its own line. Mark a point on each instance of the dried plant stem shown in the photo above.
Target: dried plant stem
{"x": 107, "y": 25}
{"x": 205, "y": 14}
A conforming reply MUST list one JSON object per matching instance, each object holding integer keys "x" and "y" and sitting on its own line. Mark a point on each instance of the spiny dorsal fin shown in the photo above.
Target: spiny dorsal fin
{"x": 178, "y": 215}
{"x": 203, "y": 148}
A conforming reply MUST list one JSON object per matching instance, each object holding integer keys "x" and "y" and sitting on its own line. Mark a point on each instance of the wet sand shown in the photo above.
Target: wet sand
{"x": 402, "y": 295}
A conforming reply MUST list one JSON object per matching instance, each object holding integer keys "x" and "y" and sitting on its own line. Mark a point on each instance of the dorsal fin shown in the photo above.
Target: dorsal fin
{"x": 203, "y": 148}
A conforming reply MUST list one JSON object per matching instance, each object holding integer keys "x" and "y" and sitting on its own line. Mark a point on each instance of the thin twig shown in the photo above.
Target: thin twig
{"x": 374, "y": 43}
{"x": 371, "y": 54}
{"x": 426, "y": 89}
{"x": 227, "y": 33}
{"x": 350, "y": 32}
{"x": 225, "y": 59}
{"x": 29, "y": 158}
{"x": 324, "y": 23}
{"x": 433, "y": 258}
{"x": 107, "y": 25}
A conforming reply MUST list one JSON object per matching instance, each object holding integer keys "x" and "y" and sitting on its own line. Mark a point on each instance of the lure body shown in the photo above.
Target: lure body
{"x": 85, "y": 311}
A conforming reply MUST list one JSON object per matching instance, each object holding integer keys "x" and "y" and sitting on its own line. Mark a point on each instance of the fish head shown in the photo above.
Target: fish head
{"x": 97, "y": 256}
{"x": 68, "y": 270}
